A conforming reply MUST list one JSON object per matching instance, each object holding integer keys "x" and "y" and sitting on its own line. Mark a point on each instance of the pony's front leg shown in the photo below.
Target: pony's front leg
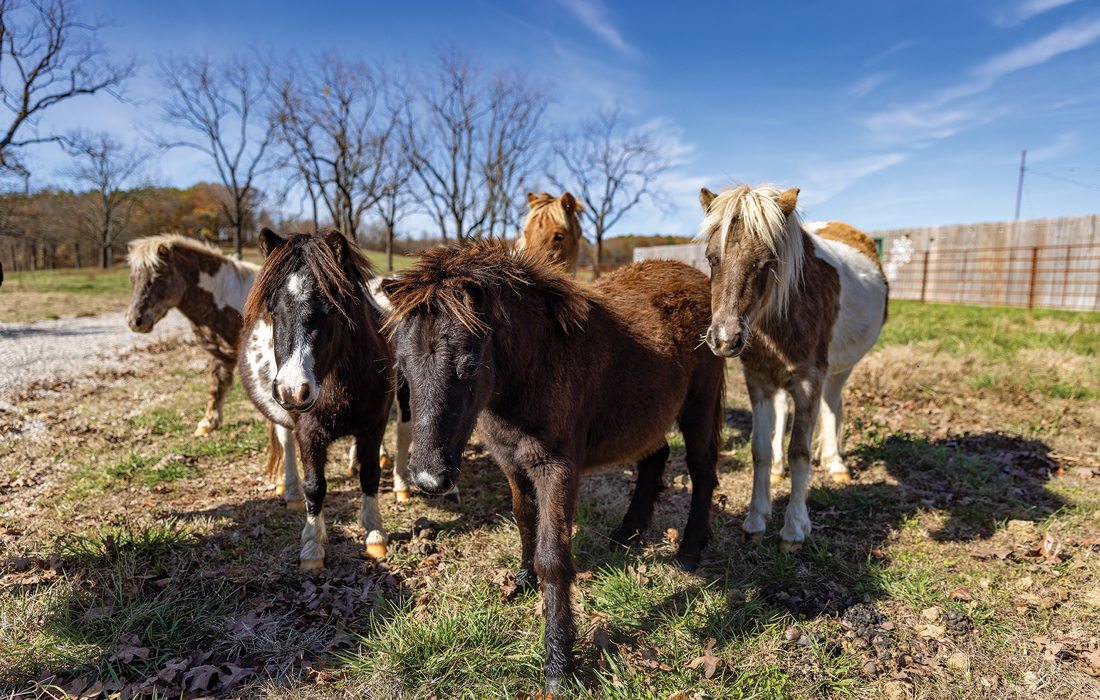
{"x": 763, "y": 425}
{"x": 370, "y": 474}
{"x": 219, "y": 377}
{"x": 779, "y": 403}
{"x": 556, "y": 492}
{"x": 401, "y": 466}
{"x": 526, "y": 512}
{"x": 796, "y": 521}
{"x": 290, "y": 488}
{"x": 315, "y": 533}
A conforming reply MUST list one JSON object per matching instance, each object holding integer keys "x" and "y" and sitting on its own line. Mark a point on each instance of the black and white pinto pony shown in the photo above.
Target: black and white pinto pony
{"x": 314, "y": 362}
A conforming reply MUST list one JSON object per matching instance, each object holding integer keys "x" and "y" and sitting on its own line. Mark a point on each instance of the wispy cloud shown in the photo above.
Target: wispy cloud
{"x": 941, "y": 115}
{"x": 595, "y": 17}
{"x": 867, "y": 84}
{"x": 1063, "y": 145}
{"x": 823, "y": 182}
{"x": 1025, "y": 10}
{"x": 889, "y": 51}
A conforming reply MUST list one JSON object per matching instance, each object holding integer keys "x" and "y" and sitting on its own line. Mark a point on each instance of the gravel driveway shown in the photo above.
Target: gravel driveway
{"x": 72, "y": 346}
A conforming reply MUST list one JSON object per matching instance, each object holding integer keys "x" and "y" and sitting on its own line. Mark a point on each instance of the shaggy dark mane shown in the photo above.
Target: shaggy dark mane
{"x": 442, "y": 279}
{"x": 341, "y": 283}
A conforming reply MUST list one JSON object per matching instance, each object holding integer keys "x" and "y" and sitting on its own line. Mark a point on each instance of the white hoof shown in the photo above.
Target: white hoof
{"x": 377, "y": 543}
{"x": 755, "y": 523}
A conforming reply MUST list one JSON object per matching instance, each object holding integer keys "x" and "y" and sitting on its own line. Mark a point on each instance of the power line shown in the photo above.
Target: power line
{"x": 1065, "y": 179}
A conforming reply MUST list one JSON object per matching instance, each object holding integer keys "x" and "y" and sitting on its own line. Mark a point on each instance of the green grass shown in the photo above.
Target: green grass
{"x": 92, "y": 281}
{"x": 995, "y": 333}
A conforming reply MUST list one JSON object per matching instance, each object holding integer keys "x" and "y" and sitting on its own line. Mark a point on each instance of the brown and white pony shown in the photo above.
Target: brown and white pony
{"x": 553, "y": 228}
{"x": 800, "y": 309}
{"x": 561, "y": 379}
{"x": 313, "y": 361}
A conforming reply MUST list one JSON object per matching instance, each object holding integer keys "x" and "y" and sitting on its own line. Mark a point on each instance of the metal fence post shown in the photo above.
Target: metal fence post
{"x": 1034, "y": 272}
{"x": 924, "y": 277}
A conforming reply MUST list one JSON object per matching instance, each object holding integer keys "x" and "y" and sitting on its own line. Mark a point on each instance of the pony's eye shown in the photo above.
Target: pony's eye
{"x": 558, "y": 238}
{"x": 466, "y": 367}
{"x": 712, "y": 258}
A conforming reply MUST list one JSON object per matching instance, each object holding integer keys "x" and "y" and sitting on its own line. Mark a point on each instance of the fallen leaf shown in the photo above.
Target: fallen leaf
{"x": 708, "y": 660}
{"x": 932, "y": 614}
{"x": 1050, "y": 548}
{"x": 199, "y": 677}
{"x": 959, "y": 662}
{"x": 672, "y": 536}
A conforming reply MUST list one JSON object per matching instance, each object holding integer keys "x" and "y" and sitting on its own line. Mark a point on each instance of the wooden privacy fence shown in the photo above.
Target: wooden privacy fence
{"x": 1037, "y": 277}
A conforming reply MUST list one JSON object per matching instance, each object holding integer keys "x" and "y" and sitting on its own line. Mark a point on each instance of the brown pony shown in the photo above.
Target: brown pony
{"x": 561, "y": 379}
{"x": 553, "y": 228}
{"x": 313, "y": 361}
{"x": 800, "y": 310}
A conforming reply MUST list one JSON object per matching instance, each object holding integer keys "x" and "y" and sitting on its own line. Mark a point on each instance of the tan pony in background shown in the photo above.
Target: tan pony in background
{"x": 553, "y": 228}
{"x": 800, "y": 309}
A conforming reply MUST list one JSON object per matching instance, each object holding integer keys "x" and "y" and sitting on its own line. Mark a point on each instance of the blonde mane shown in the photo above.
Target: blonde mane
{"x": 757, "y": 210}
{"x": 145, "y": 253}
{"x": 546, "y": 205}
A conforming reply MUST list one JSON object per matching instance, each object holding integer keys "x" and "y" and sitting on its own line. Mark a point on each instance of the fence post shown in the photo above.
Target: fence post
{"x": 924, "y": 277}
{"x": 1031, "y": 283}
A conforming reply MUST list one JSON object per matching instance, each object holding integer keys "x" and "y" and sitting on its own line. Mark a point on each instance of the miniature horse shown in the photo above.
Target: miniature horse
{"x": 561, "y": 379}
{"x": 170, "y": 271}
{"x": 553, "y": 228}
{"x": 800, "y": 310}
{"x": 313, "y": 360}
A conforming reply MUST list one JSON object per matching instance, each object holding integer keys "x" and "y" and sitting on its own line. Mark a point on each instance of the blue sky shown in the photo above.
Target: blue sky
{"x": 884, "y": 113}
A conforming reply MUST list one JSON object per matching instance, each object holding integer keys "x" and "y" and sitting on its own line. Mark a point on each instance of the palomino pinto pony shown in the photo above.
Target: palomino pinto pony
{"x": 800, "y": 310}
{"x": 553, "y": 229}
{"x": 170, "y": 271}
{"x": 561, "y": 379}
{"x": 314, "y": 362}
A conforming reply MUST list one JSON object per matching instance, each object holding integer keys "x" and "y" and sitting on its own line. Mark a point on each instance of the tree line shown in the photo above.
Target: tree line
{"x": 361, "y": 146}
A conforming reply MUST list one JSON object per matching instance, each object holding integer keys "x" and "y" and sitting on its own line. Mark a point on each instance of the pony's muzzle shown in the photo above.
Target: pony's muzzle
{"x": 138, "y": 323}
{"x": 432, "y": 472}
{"x": 724, "y": 343}
{"x": 295, "y": 399}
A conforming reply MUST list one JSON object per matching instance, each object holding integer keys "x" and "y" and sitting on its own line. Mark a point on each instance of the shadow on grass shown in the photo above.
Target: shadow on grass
{"x": 976, "y": 481}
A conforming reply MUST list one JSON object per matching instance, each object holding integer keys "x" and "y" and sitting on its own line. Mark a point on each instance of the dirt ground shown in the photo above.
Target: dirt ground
{"x": 963, "y": 560}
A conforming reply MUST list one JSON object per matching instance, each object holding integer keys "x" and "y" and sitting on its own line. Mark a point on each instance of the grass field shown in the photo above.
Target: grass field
{"x": 963, "y": 560}
{"x": 50, "y": 294}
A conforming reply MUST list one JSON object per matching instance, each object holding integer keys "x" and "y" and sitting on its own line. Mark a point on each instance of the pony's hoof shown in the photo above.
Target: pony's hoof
{"x": 789, "y": 547}
{"x": 754, "y": 537}
{"x": 401, "y": 496}
{"x": 687, "y": 562}
{"x": 840, "y": 477}
{"x": 298, "y": 505}
{"x": 385, "y": 463}
{"x": 311, "y": 565}
{"x": 203, "y": 430}
{"x": 453, "y": 496}
{"x": 376, "y": 545}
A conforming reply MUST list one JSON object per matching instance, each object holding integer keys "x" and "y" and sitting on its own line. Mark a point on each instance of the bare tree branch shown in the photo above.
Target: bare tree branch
{"x": 47, "y": 56}
{"x": 611, "y": 168}
{"x": 226, "y": 107}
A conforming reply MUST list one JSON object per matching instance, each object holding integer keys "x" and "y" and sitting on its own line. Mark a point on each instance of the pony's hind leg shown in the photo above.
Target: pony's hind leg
{"x": 404, "y": 439}
{"x": 370, "y": 475}
{"x": 291, "y": 488}
{"x": 780, "y": 404}
{"x": 219, "y": 377}
{"x": 526, "y": 512}
{"x": 314, "y": 452}
{"x": 638, "y": 514}
{"x": 796, "y": 521}
{"x": 274, "y": 459}
{"x": 763, "y": 422}
{"x": 830, "y": 427}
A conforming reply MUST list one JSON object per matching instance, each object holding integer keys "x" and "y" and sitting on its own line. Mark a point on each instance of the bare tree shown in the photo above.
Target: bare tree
{"x": 337, "y": 122}
{"x": 471, "y": 145}
{"x": 225, "y": 105}
{"x": 397, "y": 198}
{"x": 108, "y": 170}
{"x": 611, "y": 168}
{"x": 47, "y": 55}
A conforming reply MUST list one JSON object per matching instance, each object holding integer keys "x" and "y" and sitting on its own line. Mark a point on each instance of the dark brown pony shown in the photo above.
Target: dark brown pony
{"x": 560, "y": 379}
{"x": 312, "y": 359}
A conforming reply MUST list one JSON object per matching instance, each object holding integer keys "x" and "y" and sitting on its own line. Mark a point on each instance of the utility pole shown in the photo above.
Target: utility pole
{"x": 1020, "y": 183}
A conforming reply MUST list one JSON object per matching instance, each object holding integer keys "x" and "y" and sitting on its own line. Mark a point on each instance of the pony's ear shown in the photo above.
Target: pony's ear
{"x": 269, "y": 241}
{"x": 389, "y": 285}
{"x": 705, "y": 198}
{"x": 568, "y": 203}
{"x": 338, "y": 244}
{"x": 788, "y": 201}
{"x": 532, "y": 197}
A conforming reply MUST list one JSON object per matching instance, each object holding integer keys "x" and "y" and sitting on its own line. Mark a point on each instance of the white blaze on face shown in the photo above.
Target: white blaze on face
{"x": 297, "y": 370}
